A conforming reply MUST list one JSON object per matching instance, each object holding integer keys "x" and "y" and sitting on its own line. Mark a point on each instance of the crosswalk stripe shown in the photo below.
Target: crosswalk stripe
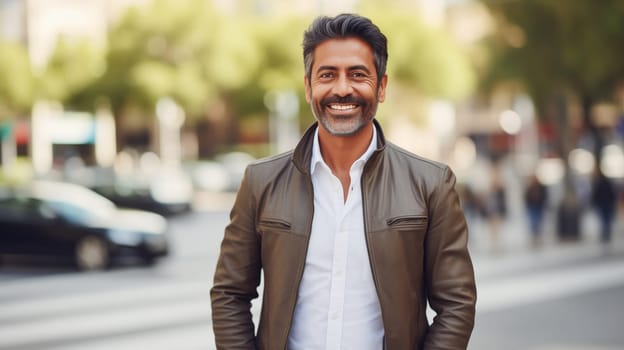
{"x": 198, "y": 337}
{"x": 150, "y": 294}
{"x": 519, "y": 290}
{"x": 117, "y": 321}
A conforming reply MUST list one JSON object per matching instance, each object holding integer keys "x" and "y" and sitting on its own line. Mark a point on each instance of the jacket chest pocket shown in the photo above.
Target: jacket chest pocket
{"x": 408, "y": 223}
{"x": 273, "y": 225}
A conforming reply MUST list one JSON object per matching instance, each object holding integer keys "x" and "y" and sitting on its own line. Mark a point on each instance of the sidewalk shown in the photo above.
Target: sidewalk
{"x": 514, "y": 253}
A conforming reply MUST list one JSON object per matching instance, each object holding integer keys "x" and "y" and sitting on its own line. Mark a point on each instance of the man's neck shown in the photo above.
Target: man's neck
{"x": 340, "y": 152}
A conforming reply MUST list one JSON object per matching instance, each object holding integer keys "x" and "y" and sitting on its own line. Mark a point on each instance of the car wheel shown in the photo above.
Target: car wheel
{"x": 92, "y": 254}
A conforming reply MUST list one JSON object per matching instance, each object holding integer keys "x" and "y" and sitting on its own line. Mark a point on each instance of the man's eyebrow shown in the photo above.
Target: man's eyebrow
{"x": 322, "y": 68}
{"x": 356, "y": 67}
{"x": 360, "y": 67}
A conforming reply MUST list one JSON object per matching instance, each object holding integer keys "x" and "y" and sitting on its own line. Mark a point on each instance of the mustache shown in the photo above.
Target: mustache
{"x": 343, "y": 100}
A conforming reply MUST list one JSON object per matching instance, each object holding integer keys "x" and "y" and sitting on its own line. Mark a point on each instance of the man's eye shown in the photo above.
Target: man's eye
{"x": 358, "y": 75}
{"x": 326, "y": 75}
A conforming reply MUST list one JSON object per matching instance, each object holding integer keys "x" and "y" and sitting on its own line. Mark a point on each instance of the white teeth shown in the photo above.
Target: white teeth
{"x": 341, "y": 107}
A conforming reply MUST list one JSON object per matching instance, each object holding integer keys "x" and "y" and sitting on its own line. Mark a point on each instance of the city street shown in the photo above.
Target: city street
{"x": 559, "y": 297}
{"x": 162, "y": 105}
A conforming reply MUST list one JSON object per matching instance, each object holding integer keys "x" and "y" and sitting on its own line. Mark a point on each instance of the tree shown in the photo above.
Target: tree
{"x": 279, "y": 67}
{"x": 185, "y": 51}
{"x": 423, "y": 57}
{"x": 72, "y": 67}
{"x": 561, "y": 50}
{"x": 558, "y": 49}
{"x": 16, "y": 84}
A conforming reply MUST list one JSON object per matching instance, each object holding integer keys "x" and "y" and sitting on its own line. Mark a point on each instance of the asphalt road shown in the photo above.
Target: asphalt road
{"x": 572, "y": 301}
{"x": 561, "y": 297}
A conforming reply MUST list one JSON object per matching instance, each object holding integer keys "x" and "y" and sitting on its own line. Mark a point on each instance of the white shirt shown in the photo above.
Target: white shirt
{"x": 337, "y": 306}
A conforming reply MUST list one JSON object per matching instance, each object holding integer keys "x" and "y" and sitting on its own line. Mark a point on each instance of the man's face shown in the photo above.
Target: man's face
{"x": 343, "y": 88}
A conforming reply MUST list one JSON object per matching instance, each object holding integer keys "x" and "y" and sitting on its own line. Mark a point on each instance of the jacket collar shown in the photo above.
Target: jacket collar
{"x": 302, "y": 155}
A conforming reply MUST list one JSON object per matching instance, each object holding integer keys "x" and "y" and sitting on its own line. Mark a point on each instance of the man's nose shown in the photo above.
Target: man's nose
{"x": 342, "y": 86}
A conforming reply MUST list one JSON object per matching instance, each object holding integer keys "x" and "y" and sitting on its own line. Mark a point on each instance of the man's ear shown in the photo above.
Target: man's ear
{"x": 308, "y": 90}
{"x": 381, "y": 91}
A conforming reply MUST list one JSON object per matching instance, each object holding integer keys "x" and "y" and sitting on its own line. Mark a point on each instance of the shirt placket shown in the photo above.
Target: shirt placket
{"x": 339, "y": 265}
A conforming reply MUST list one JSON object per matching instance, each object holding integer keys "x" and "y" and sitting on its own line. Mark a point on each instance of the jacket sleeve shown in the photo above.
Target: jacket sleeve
{"x": 449, "y": 273}
{"x": 237, "y": 275}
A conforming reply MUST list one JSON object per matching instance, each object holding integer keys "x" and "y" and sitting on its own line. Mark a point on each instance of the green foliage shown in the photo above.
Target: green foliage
{"x": 185, "y": 51}
{"x": 552, "y": 45}
{"x": 161, "y": 51}
{"x": 280, "y": 63}
{"x": 236, "y": 55}
{"x": 72, "y": 67}
{"x": 16, "y": 84}
{"x": 421, "y": 57}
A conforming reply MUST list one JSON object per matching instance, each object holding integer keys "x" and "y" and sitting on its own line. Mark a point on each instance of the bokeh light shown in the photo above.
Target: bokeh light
{"x": 464, "y": 154}
{"x": 582, "y": 161}
{"x": 612, "y": 164}
{"x": 510, "y": 122}
{"x": 550, "y": 170}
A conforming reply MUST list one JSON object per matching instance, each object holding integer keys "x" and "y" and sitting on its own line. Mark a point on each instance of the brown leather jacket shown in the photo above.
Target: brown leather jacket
{"x": 415, "y": 232}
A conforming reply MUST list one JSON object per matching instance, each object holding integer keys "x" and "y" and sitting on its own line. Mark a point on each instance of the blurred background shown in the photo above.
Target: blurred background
{"x": 126, "y": 125}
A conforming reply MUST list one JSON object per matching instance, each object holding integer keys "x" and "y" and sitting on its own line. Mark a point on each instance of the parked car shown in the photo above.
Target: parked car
{"x": 68, "y": 220}
{"x": 142, "y": 198}
{"x": 170, "y": 192}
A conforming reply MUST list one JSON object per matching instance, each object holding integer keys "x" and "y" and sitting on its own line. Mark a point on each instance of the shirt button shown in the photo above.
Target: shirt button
{"x": 334, "y": 316}
{"x": 338, "y": 273}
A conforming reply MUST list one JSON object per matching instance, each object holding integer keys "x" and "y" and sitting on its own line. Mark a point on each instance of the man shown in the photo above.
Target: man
{"x": 354, "y": 235}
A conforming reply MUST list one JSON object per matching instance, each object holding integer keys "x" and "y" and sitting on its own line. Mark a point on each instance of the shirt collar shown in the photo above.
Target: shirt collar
{"x": 317, "y": 157}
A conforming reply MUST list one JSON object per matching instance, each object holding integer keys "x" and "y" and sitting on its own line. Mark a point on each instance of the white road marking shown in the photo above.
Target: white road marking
{"x": 116, "y": 321}
{"x": 197, "y": 337}
{"x": 520, "y": 290}
{"x": 176, "y": 313}
{"x": 148, "y": 295}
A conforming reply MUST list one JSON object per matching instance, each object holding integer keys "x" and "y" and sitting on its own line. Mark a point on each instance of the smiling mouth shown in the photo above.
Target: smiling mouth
{"x": 342, "y": 107}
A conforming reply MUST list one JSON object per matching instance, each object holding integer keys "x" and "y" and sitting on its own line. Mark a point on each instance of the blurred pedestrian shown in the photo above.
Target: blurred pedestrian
{"x": 604, "y": 200}
{"x": 496, "y": 206}
{"x": 471, "y": 205}
{"x": 569, "y": 216}
{"x": 535, "y": 198}
{"x": 347, "y": 228}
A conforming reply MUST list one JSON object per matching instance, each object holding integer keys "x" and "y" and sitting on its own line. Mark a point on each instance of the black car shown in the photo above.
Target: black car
{"x": 142, "y": 198}
{"x": 168, "y": 193}
{"x": 68, "y": 220}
